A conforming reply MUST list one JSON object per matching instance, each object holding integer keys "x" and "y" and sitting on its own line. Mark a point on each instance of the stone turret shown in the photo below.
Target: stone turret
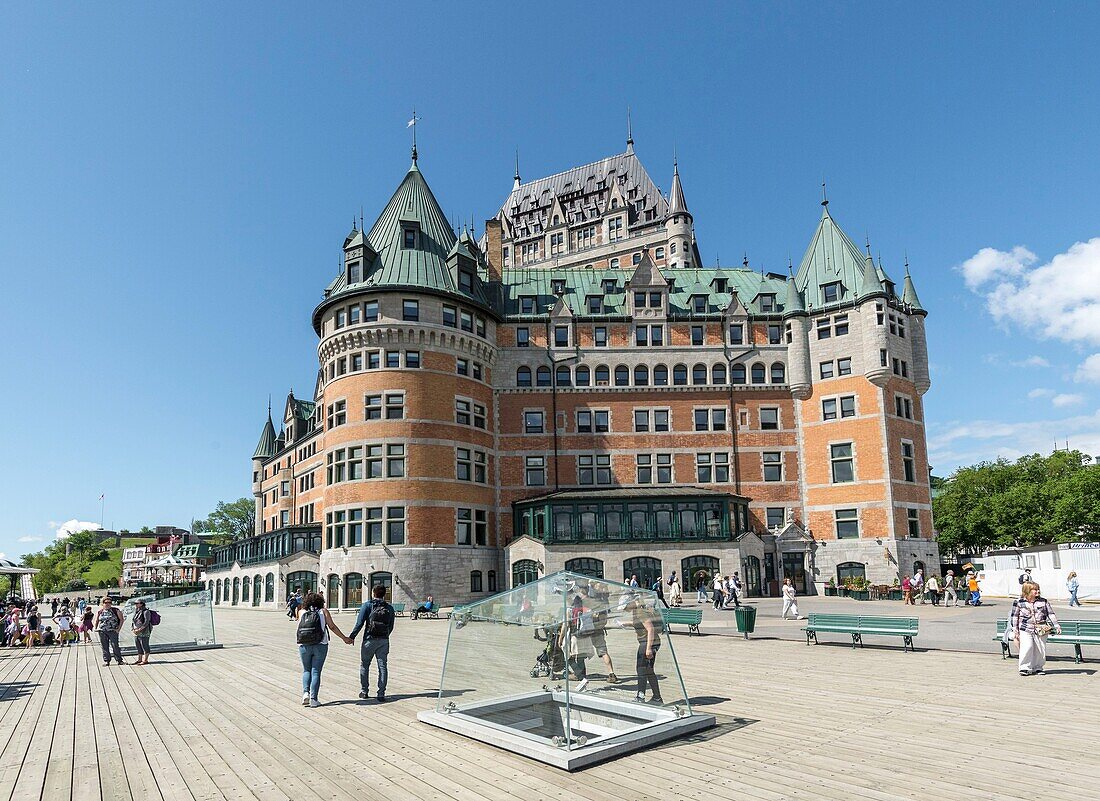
{"x": 265, "y": 449}
{"x": 678, "y": 225}
{"x": 921, "y": 378}
{"x": 798, "y": 349}
{"x": 872, "y": 299}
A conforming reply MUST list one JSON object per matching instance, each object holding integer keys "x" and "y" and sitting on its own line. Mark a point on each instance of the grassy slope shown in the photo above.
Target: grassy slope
{"x": 110, "y": 569}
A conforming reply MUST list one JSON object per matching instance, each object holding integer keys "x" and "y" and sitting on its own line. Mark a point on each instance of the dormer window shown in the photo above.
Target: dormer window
{"x": 354, "y": 272}
{"x": 699, "y": 304}
{"x": 557, "y": 220}
{"x": 595, "y": 304}
{"x": 409, "y": 238}
{"x": 608, "y": 286}
{"x": 831, "y": 292}
{"x": 614, "y": 203}
{"x": 527, "y": 304}
{"x": 767, "y": 303}
{"x": 466, "y": 281}
{"x": 557, "y": 286}
{"x": 719, "y": 284}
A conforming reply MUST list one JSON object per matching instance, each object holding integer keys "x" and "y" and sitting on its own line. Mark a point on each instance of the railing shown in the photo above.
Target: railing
{"x": 644, "y": 535}
{"x": 186, "y": 621}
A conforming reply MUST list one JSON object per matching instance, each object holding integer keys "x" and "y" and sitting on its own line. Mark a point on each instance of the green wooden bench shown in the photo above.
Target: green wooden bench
{"x": 434, "y": 613}
{"x": 685, "y": 617}
{"x": 860, "y": 625}
{"x": 1074, "y": 632}
{"x": 398, "y": 609}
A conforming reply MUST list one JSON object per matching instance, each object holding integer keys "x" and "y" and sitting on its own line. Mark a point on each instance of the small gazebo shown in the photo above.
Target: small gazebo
{"x": 168, "y": 564}
{"x": 11, "y": 570}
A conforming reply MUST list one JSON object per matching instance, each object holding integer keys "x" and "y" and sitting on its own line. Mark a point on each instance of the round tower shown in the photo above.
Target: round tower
{"x": 921, "y": 378}
{"x": 872, "y": 301}
{"x": 798, "y": 348}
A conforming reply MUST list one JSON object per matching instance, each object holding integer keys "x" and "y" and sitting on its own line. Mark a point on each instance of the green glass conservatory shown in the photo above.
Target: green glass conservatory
{"x": 568, "y": 670}
{"x": 632, "y": 514}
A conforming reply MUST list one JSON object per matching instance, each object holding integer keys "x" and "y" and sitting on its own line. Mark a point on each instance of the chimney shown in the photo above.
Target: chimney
{"x": 494, "y": 253}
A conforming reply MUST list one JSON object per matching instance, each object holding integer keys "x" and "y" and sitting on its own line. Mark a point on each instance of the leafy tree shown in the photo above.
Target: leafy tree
{"x": 237, "y": 519}
{"x": 1033, "y": 501}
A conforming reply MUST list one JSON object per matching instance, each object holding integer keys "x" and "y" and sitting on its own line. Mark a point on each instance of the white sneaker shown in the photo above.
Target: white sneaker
{"x": 305, "y": 699}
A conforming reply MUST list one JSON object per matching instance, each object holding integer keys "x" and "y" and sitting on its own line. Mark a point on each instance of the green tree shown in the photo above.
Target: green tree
{"x": 236, "y": 519}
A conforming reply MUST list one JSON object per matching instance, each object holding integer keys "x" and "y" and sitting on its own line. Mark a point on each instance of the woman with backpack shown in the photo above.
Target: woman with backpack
{"x": 314, "y": 625}
{"x": 142, "y": 625}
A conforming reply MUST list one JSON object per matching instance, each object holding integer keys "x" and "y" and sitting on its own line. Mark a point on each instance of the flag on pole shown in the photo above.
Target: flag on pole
{"x": 411, "y": 122}
{"x": 101, "y": 497}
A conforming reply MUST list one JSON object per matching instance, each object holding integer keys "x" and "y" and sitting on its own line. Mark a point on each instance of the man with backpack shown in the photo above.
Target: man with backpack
{"x": 376, "y": 619}
{"x": 142, "y": 624}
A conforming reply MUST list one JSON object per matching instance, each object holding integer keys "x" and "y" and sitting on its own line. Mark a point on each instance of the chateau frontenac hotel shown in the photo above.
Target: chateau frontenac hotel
{"x": 575, "y": 389}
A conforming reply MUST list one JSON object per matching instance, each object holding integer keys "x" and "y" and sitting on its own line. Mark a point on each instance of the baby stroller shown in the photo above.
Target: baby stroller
{"x": 550, "y": 663}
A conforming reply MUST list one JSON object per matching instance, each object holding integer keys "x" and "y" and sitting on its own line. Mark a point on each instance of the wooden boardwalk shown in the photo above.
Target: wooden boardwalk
{"x": 795, "y": 723}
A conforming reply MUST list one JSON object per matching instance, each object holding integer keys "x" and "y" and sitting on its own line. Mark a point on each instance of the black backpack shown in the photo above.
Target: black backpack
{"x": 310, "y": 629}
{"x": 380, "y": 620}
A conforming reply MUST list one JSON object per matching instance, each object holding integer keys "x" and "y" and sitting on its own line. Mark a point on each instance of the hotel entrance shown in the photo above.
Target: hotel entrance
{"x": 794, "y": 568}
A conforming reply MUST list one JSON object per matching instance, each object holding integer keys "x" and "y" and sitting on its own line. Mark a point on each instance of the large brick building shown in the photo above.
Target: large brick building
{"x": 576, "y": 390}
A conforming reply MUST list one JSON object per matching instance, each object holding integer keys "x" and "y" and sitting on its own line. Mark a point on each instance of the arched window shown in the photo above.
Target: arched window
{"x": 583, "y": 376}
{"x": 542, "y": 376}
{"x": 603, "y": 375}
{"x": 694, "y": 569}
{"x": 847, "y": 570}
{"x": 524, "y": 572}
{"x": 385, "y": 579}
{"x": 523, "y": 377}
{"x": 646, "y": 568}
{"x": 304, "y": 580}
{"x": 718, "y": 373}
{"x": 622, "y": 376}
{"x": 236, "y": 590}
{"x": 779, "y": 373}
{"x": 332, "y": 590}
{"x": 680, "y": 375}
{"x": 475, "y": 581}
{"x": 641, "y": 376}
{"x": 586, "y": 567}
{"x": 759, "y": 374}
{"x": 918, "y": 565}
{"x": 660, "y": 376}
{"x": 492, "y": 581}
{"x": 564, "y": 377}
{"x": 699, "y": 374}
{"x": 225, "y": 591}
{"x": 218, "y": 593}
{"x": 245, "y": 587}
{"x": 257, "y": 584}
{"x": 737, "y": 374}
{"x": 353, "y": 590}
{"x": 269, "y": 588}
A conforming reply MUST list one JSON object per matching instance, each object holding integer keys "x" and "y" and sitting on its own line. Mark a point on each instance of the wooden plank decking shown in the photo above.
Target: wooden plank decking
{"x": 795, "y": 723}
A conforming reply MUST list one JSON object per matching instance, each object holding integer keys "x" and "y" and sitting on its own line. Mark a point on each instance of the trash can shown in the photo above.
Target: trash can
{"x": 746, "y": 619}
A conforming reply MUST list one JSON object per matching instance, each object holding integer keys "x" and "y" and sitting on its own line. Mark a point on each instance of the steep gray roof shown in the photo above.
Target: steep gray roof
{"x": 266, "y": 446}
{"x": 677, "y": 204}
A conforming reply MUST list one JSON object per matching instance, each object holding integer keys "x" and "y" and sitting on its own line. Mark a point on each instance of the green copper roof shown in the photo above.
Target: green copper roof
{"x": 304, "y": 409}
{"x": 909, "y": 293}
{"x": 871, "y": 283}
{"x": 793, "y": 304}
{"x": 580, "y": 284}
{"x": 831, "y": 257}
{"x": 266, "y": 445}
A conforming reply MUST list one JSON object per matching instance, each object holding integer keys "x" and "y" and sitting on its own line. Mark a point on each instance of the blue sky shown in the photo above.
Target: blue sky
{"x": 177, "y": 182}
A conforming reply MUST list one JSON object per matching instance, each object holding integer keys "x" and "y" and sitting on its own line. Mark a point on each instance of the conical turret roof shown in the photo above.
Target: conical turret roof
{"x": 871, "y": 283}
{"x": 266, "y": 446}
{"x": 793, "y": 304}
{"x": 909, "y": 292}
{"x": 676, "y": 202}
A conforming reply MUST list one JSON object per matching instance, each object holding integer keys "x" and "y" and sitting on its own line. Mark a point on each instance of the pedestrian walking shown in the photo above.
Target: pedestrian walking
{"x": 53, "y": 607}
{"x": 933, "y": 587}
{"x": 675, "y": 593}
{"x": 634, "y": 581}
{"x": 658, "y": 587}
{"x": 293, "y": 601}
{"x": 1073, "y": 585}
{"x": 1031, "y": 622}
{"x": 906, "y": 590}
{"x": 700, "y": 587}
{"x": 1023, "y": 578}
{"x": 918, "y": 585}
{"x": 790, "y": 604}
{"x": 87, "y": 622}
{"x": 718, "y": 588}
{"x": 974, "y": 588}
{"x": 376, "y": 620}
{"x": 108, "y": 622}
{"x": 645, "y": 622}
{"x": 64, "y": 621}
{"x": 314, "y": 625}
{"x": 34, "y": 622}
{"x": 735, "y": 588}
{"x": 950, "y": 597}
{"x": 142, "y": 626}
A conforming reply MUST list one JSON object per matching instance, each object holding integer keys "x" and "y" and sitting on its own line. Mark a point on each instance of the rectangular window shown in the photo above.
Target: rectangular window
{"x": 769, "y": 419}
{"x": 527, "y": 304}
{"x": 410, "y": 310}
{"x": 355, "y": 528}
{"x": 479, "y": 327}
{"x": 698, "y": 335}
{"x": 641, "y": 420}
{"x": 337, "y": 414}
{"x": 464, "y": 527}
{"x": 393, "y": 358}
{"x": 828, "y": 409}
{"x": 847, "y": 524}
{"x": 824, "y": 330}
{"x": 395, "y": 525}
{"x": 913, "y": 522}
{"x": 464, "y": 467}
{"x": 775, "y": 516}
{"x": 831, "y": 292}
{"x": 476, "y": 371}
{"x": 479, "y": 416}
{"x": 595, "y": 304}
{"x": 840, "y": 325}
{"x": 410, "y": 238}
{"x": 664, "y": 468}
{"x": 599, "y": 336}
{"x": 533, "y": 422}
{"x": 773, "y": 465}
{"x": 466, "y": 321}
{"x": 462, "y": 412}
{"x": 639, "y": 300}
{"x": 826, "y": 370}
{"x": 712, "y": 468}
{"x": 373, "y": 360}
{"x": 844, "y": 366}
{"x": 534, "y": 474}
{"x": 450, "y": 316}
{"x": 462, "y": 366}
{"x": 589, "y": 421}
{"x": 370, "y": 311}
{"x": 395, "y": 406}
{"x": 354, "y": 314}
{"x": 523, "y": 337}
{"x": 412, "y": 359}
{"x": 654, "y": 300}
{"x": 644, "y": 464}
{"x": 908, "y": 461}
{"x": 373, "y": 407}
{"x": 374, "y": 525}
{"x": 775, "y": 334}
{"x": 341, "y": 318}
{"x": 374, "y": 461}
{"x": 615, "y": 229}
{"x": 767, "y": 303}
{"x": 561, "y": 336}
{"x": 395, "y": 461}
{"x": 842, "y": 462}
{"x": 848, "y": 406}
{"x": 594, "y": 469}
{"x": 356, "y": 362}
{"x": 737, "y": 334}
{"x": 699, "y": 304}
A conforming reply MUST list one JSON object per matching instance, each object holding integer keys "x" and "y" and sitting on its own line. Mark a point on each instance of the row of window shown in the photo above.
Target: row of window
{"x": 598, "y": 421}
{"x": 373, "y": 360}
{"x": 644, "y": 376}
{"x": 644, "y": 335}
{"x": 372, "y": 525}
{"x": 842, "y": 462}
{"x": 651, "y": 468}
{"x": 359, "y": 462}
{"x": 847, "y": 523}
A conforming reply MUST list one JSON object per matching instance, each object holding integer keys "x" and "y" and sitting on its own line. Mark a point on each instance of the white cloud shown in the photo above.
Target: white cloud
{"x": 975, "y": 441}
{"x": 29, "y": 539}
{"x": 1040, "y": 392}
{"x": 73, "y": 526}
{"x": 990, "y": 263}
{"x": 1066, "y": 399}
{"x": 1089, "y": 370}
{"x": 1032, "y": 361}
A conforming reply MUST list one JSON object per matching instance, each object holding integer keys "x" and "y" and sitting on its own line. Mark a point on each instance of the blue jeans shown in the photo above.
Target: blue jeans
{"x": 1073, "y": 598}
{"x": 313, "y": 659}
{"x": 374, "y": 649}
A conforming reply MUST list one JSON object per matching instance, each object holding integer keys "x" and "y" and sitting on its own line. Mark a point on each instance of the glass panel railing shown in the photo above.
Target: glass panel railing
{"x": 185, "y": 621}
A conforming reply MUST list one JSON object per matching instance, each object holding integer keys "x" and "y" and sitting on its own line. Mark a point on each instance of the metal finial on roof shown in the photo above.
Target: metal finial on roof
{"x": 361, "y": 218}
{"x": 269, "y": 405}
{"x": 824, "y": 194}
{"x": 745, "y": 262}
{"x": 353, "y": 223}
{"x": 412, "y": 124}
{"x": 867, "y": 242}
{"x": 907, "y": 262}
{"x": 629, "y": 133}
